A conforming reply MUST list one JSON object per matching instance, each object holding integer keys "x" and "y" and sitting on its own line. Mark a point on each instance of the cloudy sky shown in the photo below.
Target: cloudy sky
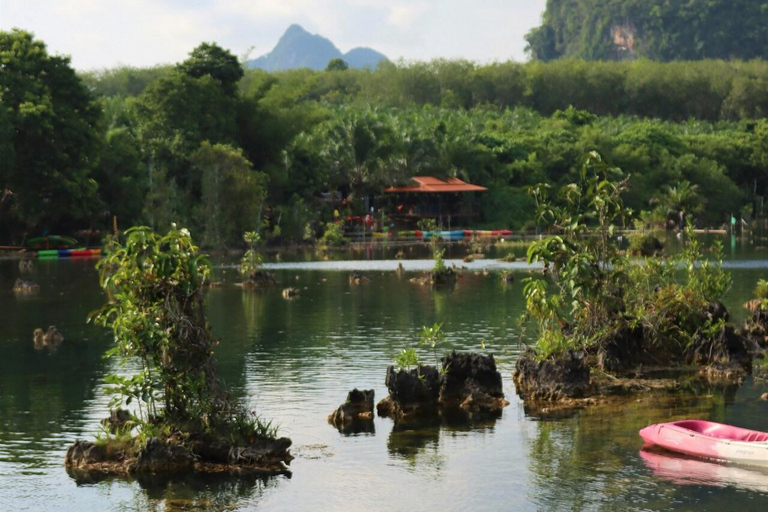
{"x": 105, "y": 33}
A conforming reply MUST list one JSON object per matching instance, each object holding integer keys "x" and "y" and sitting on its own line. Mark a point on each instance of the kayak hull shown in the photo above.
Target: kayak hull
{"x": 711, "y": 440}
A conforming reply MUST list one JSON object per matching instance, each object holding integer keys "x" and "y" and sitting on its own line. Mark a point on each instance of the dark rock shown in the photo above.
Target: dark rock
{"x": 622, "y": 351}
{"x": 471, "y": 382}
{"x": 117, "y": 421}
{"x": 159, "y": 456}
{"x": 357, "y": 278}
{"x": 412, "y": 393}
{"x": 445, "y": 277}
{"x": 649, "y": 246}
{"x": 83, "y": 453}
{"x": 264, "y": 452}
{"x": 552, "y": 379}
{"x": 727, "y": 346}
{"x": 259, "y": 279}
{"x": 416, "y": 386}
{"x": 467, "y": 372}
{"x": 756, "y": 328}
{"x": 358, "y": 408}
{"x": 715, "y": 312}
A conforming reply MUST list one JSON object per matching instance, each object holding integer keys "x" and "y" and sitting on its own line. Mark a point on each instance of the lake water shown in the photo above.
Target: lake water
{"x": 295, "y": 361}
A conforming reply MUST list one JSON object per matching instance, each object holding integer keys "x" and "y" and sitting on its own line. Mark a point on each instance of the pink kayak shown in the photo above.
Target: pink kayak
{"x": 711, "y": 440}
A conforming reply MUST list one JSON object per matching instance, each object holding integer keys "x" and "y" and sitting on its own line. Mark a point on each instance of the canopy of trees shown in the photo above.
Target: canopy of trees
{"x": 664, "y": 30}
{"x": 223, "y": 150}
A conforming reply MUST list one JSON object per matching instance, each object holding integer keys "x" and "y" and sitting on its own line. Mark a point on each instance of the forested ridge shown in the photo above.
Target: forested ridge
{"x": 664, "y": 30}
{"x": 225, "y": 150}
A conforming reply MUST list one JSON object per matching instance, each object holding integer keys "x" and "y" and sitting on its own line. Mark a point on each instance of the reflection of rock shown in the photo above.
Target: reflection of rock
{"x": 408, "y": 438}
{"x": 468, "y": 382}
{"x": 552, "y": 379}
{"x": 357, "y": 278}
{"x": 25, "y": 286}
{"x": 49, "y": 340}
{"x": 355, "y": 415}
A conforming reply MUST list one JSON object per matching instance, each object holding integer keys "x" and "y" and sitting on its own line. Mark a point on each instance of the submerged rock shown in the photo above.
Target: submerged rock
{"x": 357, "y": 278}
{"x": 291, "y": 293}
{"x": 565, "y": 377}
{"x": 355, "y": 415}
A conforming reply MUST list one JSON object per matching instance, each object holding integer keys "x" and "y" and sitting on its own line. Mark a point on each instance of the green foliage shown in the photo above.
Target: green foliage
{"x": 157, "y": 316}
{"x": 439, "y": 266}
{"x": 232, "y": 193}
{"x": 407, "y": 359}
{"x": 337, "y": 65}
{"x": 761, "y": 289}
{"x": 209, "y": 59}
{"x": 251, "y": 261}
{"x": 596, "y": 292}
{"x": 666, "y": 124}
{"x": 333, "y": 236}
{"x": 50, "y": 138}
{"x": 654, "y": 29}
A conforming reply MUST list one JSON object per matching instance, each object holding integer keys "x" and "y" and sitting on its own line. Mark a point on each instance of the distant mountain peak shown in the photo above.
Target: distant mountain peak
{"x": 298, "y": 48}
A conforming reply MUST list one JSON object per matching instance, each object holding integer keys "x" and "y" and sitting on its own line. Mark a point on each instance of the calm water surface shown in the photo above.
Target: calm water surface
{"x": 296, "y": 360}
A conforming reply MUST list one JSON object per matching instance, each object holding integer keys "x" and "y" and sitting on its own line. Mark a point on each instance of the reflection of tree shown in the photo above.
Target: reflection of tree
{"x": 195, "y": 491}
{"x": 583, "y": 462}
{"x": 42, "y": 392}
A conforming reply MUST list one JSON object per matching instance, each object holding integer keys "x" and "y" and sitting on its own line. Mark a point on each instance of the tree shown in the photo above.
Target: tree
{"x": 54, "y": 140}
{"x": 654, "y": 29}
{"x": 209, "y": 59}
{"x": 232, "y": 193}
{"x": 337, "y": 65}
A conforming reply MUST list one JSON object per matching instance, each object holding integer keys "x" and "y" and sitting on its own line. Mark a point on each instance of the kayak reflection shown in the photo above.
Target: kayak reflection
{"x": 684, "y": 470}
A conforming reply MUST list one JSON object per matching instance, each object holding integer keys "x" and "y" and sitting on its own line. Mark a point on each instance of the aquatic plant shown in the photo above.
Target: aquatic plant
{"x": 157, "y": 315}
{"x": 590, "y": 296}
{"x": 252, "y": 259}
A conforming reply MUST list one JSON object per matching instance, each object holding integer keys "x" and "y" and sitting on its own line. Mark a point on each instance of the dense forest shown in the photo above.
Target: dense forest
{"x": 224, "y": 150}
{"x": 663, "y": 30}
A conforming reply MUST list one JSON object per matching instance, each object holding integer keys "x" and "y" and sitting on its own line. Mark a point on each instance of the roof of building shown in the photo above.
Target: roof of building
{"x": 433, "y": 185}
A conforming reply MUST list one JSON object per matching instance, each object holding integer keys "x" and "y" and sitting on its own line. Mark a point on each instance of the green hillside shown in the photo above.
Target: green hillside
{"x": 663, "y": 30}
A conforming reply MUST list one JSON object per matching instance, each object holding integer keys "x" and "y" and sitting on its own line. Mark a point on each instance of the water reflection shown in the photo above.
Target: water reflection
{"x": 683, "y": 470}
{"x": 215, "y": 491}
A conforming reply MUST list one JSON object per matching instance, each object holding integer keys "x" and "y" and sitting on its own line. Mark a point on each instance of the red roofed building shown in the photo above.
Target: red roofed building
{"x": 449, "y": 201}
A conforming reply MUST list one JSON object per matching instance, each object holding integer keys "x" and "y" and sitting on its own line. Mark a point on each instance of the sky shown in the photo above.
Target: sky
{"x": 100, "y": 34}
